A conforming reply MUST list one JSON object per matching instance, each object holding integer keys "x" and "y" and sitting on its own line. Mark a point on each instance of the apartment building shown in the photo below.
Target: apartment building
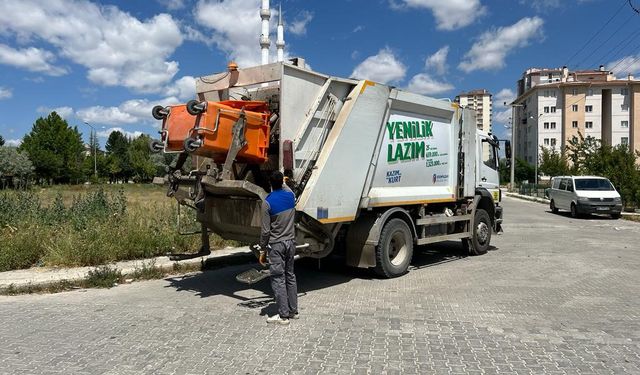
{"x": 555, "y": 105}
{"x": 481, "y": 102}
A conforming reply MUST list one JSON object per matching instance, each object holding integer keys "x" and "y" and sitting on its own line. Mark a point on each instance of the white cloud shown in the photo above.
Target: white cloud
{"x": 626, "y": 65}
{"x": 134, "y": 111}
{"x": 299, "y": 24}
{"x": 383, "y": 67}
{"x": 105, "y": 133}
{"x": 5, "y": 93}
{"x": 115, "y": 47}
{"x": 504, "y": 95}
{"x": 492, "y": 47}
{"x": 183, "y": 88}
{"x": 450, "y": 14}
{"x": 542, "y": 5}
{"x": 424, "y": 84}
{"x": 64, "y": 112}
{"x": 13, "y": 142}
{"x": 32, "y": 59}
{"x": 438, "y": 61}
{"x": 172, "y": 4}
{"x": 237, "y": 32}
{"x": 358, "y": 28}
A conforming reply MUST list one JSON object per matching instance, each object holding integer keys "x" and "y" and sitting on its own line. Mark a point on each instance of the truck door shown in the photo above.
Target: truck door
{"x": 488, "y": 176}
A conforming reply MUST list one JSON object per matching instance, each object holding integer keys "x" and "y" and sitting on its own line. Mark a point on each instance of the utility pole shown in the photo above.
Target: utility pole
{"x": 92, "y": 139}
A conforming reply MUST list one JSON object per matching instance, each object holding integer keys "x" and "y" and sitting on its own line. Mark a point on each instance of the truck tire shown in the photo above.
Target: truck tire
{"x": 553, "y": 207}
{"x": 480, "y": 239}
{"x": 394, "y": 250}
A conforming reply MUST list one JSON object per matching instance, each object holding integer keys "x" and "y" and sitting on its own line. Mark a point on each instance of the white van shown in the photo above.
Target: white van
{"x": 584, "y": 195}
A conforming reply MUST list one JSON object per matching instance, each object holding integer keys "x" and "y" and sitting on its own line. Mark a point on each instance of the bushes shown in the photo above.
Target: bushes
{"x": 89, "y": 228}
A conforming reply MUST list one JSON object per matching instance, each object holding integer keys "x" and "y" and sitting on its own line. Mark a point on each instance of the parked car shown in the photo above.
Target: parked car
{"x": 584, "y": 195}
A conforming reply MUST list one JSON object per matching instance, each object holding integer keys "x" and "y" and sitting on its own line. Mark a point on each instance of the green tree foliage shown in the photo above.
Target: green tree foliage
{"x": 118, "y": 165}
{"x": 15, "y": 169}
{"x": 56, "y": 150}
{"x": 143, "y": 168}
{"x": 1, "y": 141}
{"x": 524, "y": 171}
{"x": 553, "y": 163}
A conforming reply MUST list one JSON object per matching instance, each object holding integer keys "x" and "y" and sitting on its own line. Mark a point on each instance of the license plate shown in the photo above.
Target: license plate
{"x": 602, "y": 208}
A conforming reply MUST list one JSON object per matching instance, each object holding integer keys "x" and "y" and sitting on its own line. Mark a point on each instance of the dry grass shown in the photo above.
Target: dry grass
{"x": 91, "y": 225}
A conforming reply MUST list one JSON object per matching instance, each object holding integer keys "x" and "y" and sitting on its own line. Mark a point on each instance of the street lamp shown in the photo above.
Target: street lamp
{"x": 537, "y": 139}
{"x": 514, "y": 128}
{"x": 95, "y": 160}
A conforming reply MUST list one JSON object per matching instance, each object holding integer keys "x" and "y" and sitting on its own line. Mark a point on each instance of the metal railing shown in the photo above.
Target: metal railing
{"x": 533, "y": 190}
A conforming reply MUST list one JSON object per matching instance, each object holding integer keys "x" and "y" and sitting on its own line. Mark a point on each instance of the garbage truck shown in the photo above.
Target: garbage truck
{"x": 376, "y": 170}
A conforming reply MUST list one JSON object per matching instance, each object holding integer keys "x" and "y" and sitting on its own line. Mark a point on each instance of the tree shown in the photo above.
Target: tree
{"x": 1, "y": 141}
{"x": 580, "y": 151}
{"x": 16, "y": 168}
{"x": 142, "y": 166}
{"x": 553, "y": 163}
{"x": 55, "y": 148}
{"x": 118, "y": 163}
{"x": 524, "y": 171}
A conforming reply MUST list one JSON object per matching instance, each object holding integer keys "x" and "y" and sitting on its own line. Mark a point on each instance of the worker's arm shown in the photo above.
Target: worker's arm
{"x": 266, "y": 225}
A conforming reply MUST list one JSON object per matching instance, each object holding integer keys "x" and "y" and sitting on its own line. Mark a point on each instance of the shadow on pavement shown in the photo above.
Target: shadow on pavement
{"x": 311, "y": 274}
{"x": 567, "y": 214}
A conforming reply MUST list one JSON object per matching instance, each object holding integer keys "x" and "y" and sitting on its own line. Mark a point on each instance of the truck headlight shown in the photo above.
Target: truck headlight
{"x": 583, "y": 199}
{"x": 617, "y": 200}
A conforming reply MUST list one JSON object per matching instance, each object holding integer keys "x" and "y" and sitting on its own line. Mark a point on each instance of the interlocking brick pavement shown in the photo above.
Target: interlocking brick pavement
{"x": 556, "y": 296}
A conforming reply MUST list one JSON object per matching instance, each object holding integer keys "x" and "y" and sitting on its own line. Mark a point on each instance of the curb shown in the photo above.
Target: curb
{"x": 527, "y": 198}
{"x": 44, "y": 276}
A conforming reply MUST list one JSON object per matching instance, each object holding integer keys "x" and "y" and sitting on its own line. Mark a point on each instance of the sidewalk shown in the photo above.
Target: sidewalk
{"x": 42, "y": 276}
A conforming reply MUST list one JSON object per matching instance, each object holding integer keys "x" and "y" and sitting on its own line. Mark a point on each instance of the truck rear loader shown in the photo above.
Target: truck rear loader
{"x": 376, "y": 170}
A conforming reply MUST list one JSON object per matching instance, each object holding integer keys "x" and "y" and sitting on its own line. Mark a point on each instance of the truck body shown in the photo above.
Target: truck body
{"x": 376, "y": 170}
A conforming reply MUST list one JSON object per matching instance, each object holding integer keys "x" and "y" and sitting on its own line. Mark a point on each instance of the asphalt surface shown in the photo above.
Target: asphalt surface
{"x": 556, "y": 295}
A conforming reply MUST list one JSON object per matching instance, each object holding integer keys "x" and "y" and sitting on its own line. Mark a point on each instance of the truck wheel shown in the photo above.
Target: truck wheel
{"x": 395, "y": 249}
{"x": 616, "y": 216}
{"x": 480, "y": 239}
{"x": 553, "y": 207}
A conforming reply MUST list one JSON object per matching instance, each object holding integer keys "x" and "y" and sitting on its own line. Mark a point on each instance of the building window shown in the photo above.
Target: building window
{"x": 574, "y": 108}
{"x": 624, "y": 108}
{"x": 624, "y": 141}
{"x": 546, "y": 141}
{"x": 553, "y": 142}
{"x": 624, "y": 124}
{"x": 588, "y": 125}
{"x": 574, "y": 92}
{"x": 546, "y": 109}
{"x": 546, "y": 125}
{"x": 552, "y": 109}
{"x": 553, "y": 93}
{"x": 574, "y": 124}
{"x": 590, "y": 92}
{"x": 546, "y": 93}
{"x": 588, "y": 108}
{"x": 553, "y": 125}
{"x": 624, "y": 91}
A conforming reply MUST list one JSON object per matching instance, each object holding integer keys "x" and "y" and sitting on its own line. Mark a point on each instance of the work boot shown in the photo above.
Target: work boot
{"x": 278, "y": 320}
{"x": 294, "y": 316}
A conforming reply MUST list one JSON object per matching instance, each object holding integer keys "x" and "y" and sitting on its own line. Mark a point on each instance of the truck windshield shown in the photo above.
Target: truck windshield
{"x": 593, "y": 184}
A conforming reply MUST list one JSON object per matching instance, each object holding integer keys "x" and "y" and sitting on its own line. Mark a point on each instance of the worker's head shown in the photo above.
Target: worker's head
{"x": 276, "y": 180}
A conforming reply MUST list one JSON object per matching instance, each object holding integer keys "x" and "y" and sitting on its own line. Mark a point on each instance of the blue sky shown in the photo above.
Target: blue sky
{"x": 109, "y": 62}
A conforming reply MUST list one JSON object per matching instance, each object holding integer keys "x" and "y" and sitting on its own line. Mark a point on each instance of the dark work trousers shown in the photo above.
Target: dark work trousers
{"x": 283, "y": 280}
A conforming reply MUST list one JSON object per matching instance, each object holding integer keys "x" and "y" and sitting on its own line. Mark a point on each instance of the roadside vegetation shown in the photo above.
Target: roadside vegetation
{"x": 91, "y": 225}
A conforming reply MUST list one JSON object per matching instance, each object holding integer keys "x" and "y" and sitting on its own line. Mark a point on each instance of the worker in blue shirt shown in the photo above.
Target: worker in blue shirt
{"x": 278, "y": 238}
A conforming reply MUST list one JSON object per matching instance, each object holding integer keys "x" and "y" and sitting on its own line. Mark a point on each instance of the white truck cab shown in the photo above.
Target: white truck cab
{"x": 584, "y": 195}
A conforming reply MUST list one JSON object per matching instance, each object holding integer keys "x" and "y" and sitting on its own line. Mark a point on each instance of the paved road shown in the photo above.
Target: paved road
{"x": 557, "y": 296}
